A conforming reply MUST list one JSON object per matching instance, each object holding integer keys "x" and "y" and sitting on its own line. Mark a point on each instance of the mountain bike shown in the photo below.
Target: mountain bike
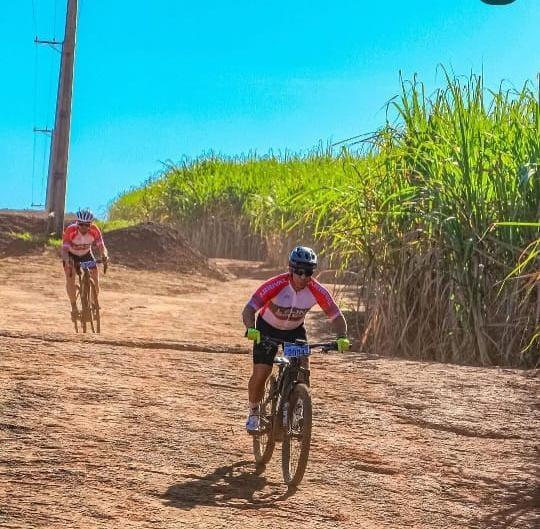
{"x": 286, "y": 409}
{"x": 88, "y": 316}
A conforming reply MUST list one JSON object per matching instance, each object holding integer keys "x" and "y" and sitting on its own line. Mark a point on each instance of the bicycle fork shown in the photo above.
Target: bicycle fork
{"x": 285, "y": 388}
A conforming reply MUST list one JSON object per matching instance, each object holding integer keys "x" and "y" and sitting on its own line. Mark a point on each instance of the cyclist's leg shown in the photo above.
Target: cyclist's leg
{"x": 256, "y": 382}
{"x": 263, "y": 358}
{"x": 69, "y": 271}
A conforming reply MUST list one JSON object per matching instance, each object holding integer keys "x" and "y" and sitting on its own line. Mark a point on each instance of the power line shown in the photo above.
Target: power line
{"x": 41, "y": 110}
{"x": 35, "y": 114}
{"x": 46, "y": 149}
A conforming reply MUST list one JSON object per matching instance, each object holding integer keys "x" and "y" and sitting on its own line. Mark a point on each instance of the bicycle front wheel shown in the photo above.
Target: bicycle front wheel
{"x": 85, "y": 304}
{"x": 77, "y": 301}
{"x": 95, "y": 318}
{"x": 297, "y": 436}
{"x": 264, "y": 442}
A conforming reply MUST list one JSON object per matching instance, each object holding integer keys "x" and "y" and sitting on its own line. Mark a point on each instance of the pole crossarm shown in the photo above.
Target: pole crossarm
{"x": 46, "y": 130}
{"x": 56, "y": 45}
{"x": 54, "y": 42}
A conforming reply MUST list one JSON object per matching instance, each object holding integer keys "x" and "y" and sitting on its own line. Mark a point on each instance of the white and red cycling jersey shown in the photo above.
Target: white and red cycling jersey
{"x": 282, "y": 307}
{"x": 78, "y": 244}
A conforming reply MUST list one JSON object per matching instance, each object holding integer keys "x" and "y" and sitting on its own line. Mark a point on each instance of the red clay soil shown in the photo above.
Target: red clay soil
{"x": 143, "y": 426}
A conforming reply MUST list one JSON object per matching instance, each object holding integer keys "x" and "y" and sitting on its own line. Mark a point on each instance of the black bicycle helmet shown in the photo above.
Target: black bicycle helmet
{"x": 302, "y": 256}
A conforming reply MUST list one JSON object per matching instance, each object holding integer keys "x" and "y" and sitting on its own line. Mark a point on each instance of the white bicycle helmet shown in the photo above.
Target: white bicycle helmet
{"x": 85, "y": 215}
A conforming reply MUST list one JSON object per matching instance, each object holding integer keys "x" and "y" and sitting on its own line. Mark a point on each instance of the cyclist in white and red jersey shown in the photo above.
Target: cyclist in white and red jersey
{"x": 77, "y": 247}
{"x": 282, "y": 303}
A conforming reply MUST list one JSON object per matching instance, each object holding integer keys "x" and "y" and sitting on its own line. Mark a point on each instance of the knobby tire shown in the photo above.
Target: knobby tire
{"x": 84, "y": 303}
{"x": 77, "y": 297}
{"x": 297, "y": 436}
{"x": 94, "y": 308}
{"x": 89, "y": 306}
{"x": 264, "y": 443}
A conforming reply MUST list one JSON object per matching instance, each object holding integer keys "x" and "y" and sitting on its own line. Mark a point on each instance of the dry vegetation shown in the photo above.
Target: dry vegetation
{"x": 437, "y": 215}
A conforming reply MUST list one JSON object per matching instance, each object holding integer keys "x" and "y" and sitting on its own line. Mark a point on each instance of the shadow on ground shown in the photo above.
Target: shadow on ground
{"x": 520, "y": 504}
{"x": 238, "y": 485}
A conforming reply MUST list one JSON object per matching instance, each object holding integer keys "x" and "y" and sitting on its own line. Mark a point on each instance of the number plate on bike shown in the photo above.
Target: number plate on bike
{"x": 293, "y": 350}
{"x": 88, "y": 265}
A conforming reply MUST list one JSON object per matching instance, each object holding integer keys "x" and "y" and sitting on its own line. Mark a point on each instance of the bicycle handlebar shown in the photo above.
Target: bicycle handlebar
{"x": 324, "y": 346}
{"x": 104, "y": 262}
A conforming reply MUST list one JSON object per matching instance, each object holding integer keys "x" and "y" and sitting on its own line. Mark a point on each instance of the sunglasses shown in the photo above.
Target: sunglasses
{"x": 302, "y": 272}
{"x": 84, "y": 224}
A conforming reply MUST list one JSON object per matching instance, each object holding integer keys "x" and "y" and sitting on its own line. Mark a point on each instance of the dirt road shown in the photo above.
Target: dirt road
{"x": 142, "y": 427}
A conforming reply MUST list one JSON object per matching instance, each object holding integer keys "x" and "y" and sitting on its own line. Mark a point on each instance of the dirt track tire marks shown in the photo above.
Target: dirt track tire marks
{"x": 148, "y": 432}
{"x": 127, "y": 342}
{"x": 101, "y": 436}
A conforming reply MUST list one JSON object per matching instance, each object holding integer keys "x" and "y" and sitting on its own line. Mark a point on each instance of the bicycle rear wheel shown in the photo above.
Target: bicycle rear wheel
{"x": 297, "y": 436}
{"x": 264, "y": 442}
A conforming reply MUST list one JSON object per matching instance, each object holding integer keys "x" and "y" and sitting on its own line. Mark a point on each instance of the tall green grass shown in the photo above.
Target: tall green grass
{"x": 237, "y": 207}
{"x": 437, "y": 215}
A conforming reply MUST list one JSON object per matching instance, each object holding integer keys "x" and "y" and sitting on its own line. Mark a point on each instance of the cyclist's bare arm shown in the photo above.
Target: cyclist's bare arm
{"x": 248, "y": 316}
{"x": 64, "y": 253}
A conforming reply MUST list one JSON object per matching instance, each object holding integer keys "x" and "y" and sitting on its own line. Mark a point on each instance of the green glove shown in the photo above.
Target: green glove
{"x": 253, "y": 334}
{"x": 343, "y": 344}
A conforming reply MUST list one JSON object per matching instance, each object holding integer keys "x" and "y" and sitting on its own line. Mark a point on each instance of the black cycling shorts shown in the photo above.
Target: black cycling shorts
{"x": 264, "y": 354}
{"x": 79, "y": 259}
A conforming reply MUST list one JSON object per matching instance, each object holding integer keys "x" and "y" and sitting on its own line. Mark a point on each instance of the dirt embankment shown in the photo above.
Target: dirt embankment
{"x": 21, "y": 233}
{"x": 151, "y": 246}
{"x": 146, "y": 246}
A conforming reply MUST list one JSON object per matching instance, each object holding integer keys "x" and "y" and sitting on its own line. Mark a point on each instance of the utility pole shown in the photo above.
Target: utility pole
{"x": 58, "y": 161}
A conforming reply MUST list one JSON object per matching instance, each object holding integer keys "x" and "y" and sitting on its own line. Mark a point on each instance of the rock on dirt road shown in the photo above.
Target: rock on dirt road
{"x": 142, "y": 427}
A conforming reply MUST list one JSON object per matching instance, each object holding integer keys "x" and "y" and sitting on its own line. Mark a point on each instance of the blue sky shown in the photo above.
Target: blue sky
{"x": 157, "y": 81}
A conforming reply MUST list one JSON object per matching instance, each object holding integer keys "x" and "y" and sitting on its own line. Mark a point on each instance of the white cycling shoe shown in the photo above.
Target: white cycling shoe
{"x": 253, "y": 423}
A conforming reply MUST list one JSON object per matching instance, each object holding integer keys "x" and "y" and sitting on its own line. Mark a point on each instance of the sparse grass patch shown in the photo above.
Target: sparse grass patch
{"x": 36, "y": 239}
{"x": 110, "y": 225}
{"x": 26, "y": 236}
{"x": 52, "y": 242}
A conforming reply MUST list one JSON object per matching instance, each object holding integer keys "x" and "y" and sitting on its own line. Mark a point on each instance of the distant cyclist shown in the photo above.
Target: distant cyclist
{"x": 282, "y": 303}
{"x": 77, "y": 247}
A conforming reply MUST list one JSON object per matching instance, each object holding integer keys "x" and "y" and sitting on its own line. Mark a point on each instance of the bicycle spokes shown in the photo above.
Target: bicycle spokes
{"x": 295, "y": 432}
{"x": 297, "y": 419}
{"x": 297, "y": 436}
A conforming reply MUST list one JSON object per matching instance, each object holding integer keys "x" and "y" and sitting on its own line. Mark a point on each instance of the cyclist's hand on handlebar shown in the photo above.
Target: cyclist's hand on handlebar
{"x": 253, "y": 334}
{"x": 343, "y": 344}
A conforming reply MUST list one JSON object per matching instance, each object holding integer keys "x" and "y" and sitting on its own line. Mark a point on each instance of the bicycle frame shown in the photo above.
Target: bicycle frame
{"x": 288, "y": 376}
{"x": 286, "y": 409}
{"x": 291, "y": 372}
{"x": 89, "y": 313}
